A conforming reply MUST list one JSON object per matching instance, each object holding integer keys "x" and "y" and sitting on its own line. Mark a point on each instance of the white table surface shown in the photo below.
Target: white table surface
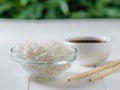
{"x": 13, "y": 32}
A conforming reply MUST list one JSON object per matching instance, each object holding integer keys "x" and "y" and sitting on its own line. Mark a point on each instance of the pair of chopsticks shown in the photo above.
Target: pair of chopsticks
{"x": 109, "y": 69}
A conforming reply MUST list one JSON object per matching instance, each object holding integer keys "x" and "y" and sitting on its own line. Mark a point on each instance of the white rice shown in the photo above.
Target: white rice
{"x": 44, "y": 52}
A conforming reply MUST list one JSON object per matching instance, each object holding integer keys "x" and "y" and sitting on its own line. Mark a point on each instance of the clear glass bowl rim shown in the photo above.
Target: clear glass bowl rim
{"x": 68, "y": 60}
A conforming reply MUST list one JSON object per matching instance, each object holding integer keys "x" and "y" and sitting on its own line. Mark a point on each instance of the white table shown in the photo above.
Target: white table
{"x": 13, "y": 32}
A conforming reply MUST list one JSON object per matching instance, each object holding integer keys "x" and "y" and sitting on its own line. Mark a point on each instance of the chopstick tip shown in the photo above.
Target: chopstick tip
{"x": 68, "y": 80}
{"x": 90, "y": 80}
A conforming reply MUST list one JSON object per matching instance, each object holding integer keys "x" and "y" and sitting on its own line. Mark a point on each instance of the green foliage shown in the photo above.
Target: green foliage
{"x": 59, "y": 9}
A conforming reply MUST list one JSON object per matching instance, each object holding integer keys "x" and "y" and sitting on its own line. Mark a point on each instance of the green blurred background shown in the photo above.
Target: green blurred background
{"x": 59, "y": 9}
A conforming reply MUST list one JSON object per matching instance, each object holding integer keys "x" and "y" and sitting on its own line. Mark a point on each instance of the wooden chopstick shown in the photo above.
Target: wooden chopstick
{"x": 80, "y": 76}
{"x": 105, "y": 73}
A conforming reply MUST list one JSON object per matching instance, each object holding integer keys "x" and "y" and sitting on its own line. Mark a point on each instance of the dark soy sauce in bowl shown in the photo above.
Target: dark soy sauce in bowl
{"x": 87, "y": 41}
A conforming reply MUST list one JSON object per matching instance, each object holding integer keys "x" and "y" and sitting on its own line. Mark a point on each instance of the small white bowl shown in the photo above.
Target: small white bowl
{"x": 91, "y": 53}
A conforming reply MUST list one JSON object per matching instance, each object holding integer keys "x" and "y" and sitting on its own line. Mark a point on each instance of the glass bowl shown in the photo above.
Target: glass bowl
{"x": 45, "y": 70}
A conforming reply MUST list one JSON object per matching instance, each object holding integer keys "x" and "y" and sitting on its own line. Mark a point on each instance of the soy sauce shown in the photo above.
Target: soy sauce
{"x": 87, "y": 41}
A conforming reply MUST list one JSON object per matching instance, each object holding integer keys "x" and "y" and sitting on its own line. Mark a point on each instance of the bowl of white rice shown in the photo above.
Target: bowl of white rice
{"x": 45, "y": 61}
